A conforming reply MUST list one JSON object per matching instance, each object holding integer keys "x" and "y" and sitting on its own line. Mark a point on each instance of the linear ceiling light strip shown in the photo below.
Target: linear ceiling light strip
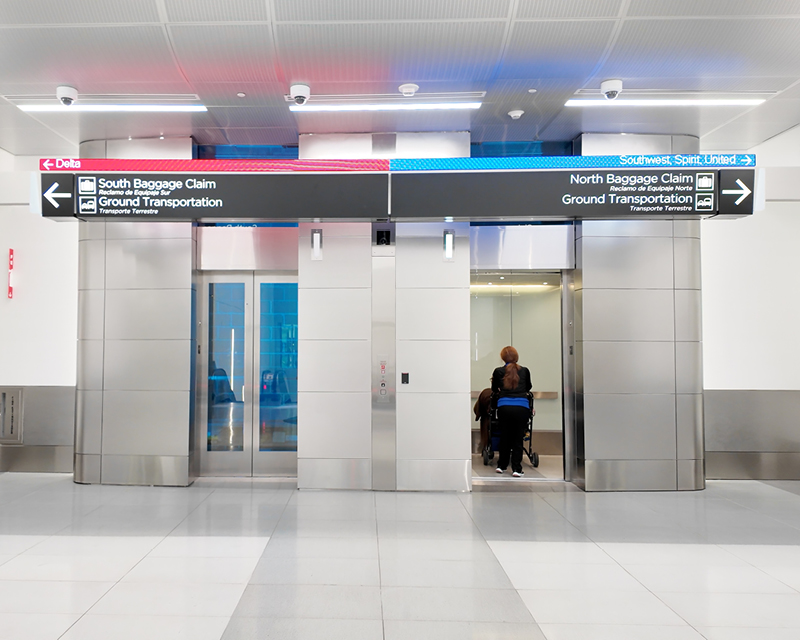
{"x": 421, "y": 106}
{"x": 164, "y": 108}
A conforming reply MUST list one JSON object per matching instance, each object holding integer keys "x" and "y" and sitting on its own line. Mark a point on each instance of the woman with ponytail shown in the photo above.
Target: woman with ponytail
{"x": 510, "y": 385}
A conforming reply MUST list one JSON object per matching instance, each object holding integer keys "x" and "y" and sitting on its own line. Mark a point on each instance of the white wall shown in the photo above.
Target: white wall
{"x": 358, "y": 146}
{"x": 38, "y": 327}
{"x": 751, "y": 309}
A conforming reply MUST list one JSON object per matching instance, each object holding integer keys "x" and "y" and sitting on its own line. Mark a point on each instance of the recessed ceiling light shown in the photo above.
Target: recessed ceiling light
{"x": 241, "y": 94}
{"x": 666, "y": 102}
{"x": 150, "y": 108}
{"x": 389, "y": 106}
{"x": 502, "y": 277}
{"x": 544, "y": 283}
{"x": 160, "y": 137}
{"x": 532, "y": 90}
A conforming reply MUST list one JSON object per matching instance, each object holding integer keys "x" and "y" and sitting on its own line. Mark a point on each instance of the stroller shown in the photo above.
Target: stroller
{"x": 494, "y": 436}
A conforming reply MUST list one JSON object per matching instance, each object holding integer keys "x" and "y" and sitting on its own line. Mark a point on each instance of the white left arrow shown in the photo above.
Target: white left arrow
{"x": 46, "y": 164}
{"x": 742, "y": 193}
{"x": 51, "y": 195}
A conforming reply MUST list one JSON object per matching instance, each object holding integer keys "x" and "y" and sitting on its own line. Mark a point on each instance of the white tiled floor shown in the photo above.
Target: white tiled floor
{"x": 236, "y": 560}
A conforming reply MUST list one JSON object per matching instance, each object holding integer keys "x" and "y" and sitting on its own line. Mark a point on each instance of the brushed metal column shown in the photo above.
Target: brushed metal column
{"x": 384, "y": 400}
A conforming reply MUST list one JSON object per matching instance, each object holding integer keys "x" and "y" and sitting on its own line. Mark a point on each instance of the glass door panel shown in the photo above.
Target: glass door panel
{"x": 275, "y": 439}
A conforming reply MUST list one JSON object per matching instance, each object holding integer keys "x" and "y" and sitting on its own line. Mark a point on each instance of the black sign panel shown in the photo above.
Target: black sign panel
{"x": 158, "y": 196}
{"x": 57, "y": 198}
{"x": 736, "y": 191}
{"x": 604, "y": 193}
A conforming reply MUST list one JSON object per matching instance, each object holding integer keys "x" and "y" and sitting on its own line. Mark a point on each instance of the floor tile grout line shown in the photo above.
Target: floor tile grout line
{"x": 488, "y": 546}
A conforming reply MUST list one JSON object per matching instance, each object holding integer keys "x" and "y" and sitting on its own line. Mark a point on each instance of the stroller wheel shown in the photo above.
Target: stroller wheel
{"x": 535, "y": 459}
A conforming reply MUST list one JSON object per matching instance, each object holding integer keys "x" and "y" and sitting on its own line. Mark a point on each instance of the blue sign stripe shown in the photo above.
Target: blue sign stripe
{"x": 686, "y": 161}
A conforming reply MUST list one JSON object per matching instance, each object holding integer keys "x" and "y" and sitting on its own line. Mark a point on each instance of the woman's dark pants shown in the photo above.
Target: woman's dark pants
{"x": 513, "y": 424}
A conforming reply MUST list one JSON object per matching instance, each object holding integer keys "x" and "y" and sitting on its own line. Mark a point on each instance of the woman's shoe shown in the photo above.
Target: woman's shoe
{"x": 518, "y": 474}
{"x": 499, "y": 470}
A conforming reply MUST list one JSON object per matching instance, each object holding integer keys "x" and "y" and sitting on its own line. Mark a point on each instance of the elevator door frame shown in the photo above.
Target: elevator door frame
{"x": 572, "y": 449}
{"x": 251, "y": 461}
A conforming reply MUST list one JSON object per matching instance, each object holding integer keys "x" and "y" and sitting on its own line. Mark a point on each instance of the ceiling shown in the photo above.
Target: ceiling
{"x": 216, "y": 48}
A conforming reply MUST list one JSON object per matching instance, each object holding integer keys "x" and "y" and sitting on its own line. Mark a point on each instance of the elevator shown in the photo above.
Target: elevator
{"x": 247, "y": 374}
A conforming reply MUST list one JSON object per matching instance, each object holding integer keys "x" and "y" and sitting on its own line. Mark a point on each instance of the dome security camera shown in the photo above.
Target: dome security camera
{"x": 67, "y": 95}
{"x": 516, "y": 114}
{"x": 611, "y": 89}
{"x": 300, "y": 93}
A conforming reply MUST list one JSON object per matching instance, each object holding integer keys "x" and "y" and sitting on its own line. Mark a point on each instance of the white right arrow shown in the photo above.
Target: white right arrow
{"x": 51, "y": 195}
{"x": 742, "y": 193}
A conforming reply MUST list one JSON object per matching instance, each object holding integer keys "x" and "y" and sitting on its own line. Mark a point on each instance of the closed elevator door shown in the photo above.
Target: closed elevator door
{"x": 248, "y": 375}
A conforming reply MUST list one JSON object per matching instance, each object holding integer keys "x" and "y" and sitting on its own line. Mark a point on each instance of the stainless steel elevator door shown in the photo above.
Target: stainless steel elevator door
{"x": 247, "y": 375}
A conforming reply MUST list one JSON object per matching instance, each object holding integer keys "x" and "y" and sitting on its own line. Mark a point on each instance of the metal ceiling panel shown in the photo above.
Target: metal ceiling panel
{"x": 209, "y": 136}
{"x": 225, "y": 53}
{"x": 555, "y": 49}
{"x": 575, "y": 9}
{"x": 257, "y": 94}
{"x": 756, "y": 126}
{"x": 103, "y": 87}
{"x": 85, "y": 56}
{"x": 253, "y": 117}
{"x": 717, "y": 84}
{"x": 715, "y": 8}
{"x": 37, "y": 141}
{"x": 369, "y": 10}
{"x": 261, "y": 136}
{"x": 700, "y": 48}
{"x": 216, "y": 11}
{"x": 403, "y": 52}
{"x": 35, "y": 12}
{"x": 383, "y": 122}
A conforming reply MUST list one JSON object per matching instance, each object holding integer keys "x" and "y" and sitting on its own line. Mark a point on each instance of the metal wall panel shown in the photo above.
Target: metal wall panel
{"x": 421, "y": 265}
{"x": 91, "y": 264}
{"x": 631, "y": 475}
{"x": 248, "y": 248}
{"x": 335, "y": 230}
{"x": 689, "y": 367}
{"x": 383, "y": 372}
{"x": 334, "y": 474}
{"x": 91, "y": 314}
{"x": 164, "y": 471}
{"x": 687, "y": 263}
{"x": 688, "y": 315}
{"x": 628, "y": 314}
{"x": 689, "y": 409}
{"x": 149, "y": 314}
{"x": 627, "y": 263}
{"x": 435, "y": 426}
{"x": 334, "y": 314}
{"x": 145, "y": 423}
{"x": 626, "y": 228}
{"x": 433, "y": 314}
{"x": 629, "y": 426}
{"x": 138, "y": 230}
{"x": 147, "y": 365}
{"x": 686, "y": 228}
{"x": 434, "y": 475}
{"x": 751, "y": 420}
{"x": 87, "y": 469}
{"x": 49, "y": 416}
{"x": 90, "y": 364}
{"x": 629, "y": 367}
{"x": 334, "y": 425}
{"x": 333, "y": 365}
{"x": 152, "y": 263}
{"x": 346, "y": 263}
{"x": 92, "y": 230}
{"x": 691, "y": 475}
{"x": 522, "y": 247}
{"x": 434, "y": 366}
{"x": 39, "y": 459}
{"x": 752, "y": 465}
{"x": 88, "y": 422}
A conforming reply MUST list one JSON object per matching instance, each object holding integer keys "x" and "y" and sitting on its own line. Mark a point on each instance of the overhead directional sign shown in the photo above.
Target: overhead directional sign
{"x": 607, "y": 193}
{"x": 736, "y": 192}
{"x": 160, "y": 196}
{"x": 57, "y": 195}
